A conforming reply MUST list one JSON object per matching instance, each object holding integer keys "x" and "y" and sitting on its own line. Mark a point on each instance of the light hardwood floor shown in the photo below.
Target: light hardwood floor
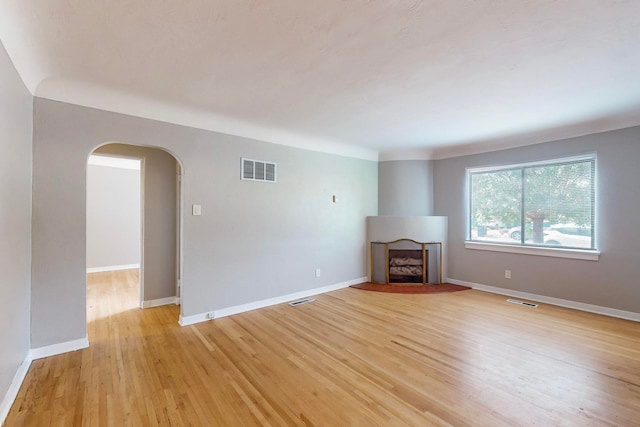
{"x": 350, "y": 358}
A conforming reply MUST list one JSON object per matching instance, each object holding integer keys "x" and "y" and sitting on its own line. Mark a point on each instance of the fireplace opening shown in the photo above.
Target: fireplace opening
{"x": 406, "y": 261}
{"x": 407, "y": 266}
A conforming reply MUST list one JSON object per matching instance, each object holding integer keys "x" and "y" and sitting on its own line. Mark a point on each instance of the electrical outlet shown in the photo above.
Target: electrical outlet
{"x": 317, "y": 272}
{"x": 507, "y": 274}
{"x": 211, "y": 315}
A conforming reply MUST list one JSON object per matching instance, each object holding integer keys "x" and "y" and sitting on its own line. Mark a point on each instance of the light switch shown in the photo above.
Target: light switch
{"x": 196, "y": 210}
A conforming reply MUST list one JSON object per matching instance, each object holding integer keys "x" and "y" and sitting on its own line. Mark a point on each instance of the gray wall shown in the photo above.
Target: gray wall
{"x": 253, "y": 241}
{"x": 159, "y": 264}
{"x": 405, "y": 187}
{"x": 610, "y": 282}
{"x": 113, "y": 216}
{"x": 15, "y": 220}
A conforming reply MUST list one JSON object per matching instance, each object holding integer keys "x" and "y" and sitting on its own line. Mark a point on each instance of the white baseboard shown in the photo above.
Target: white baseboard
{"x": 159, "y": 302}
{"x": 112, "y": 268}
{"x": 21, "y": 373}
{"x": 612, "y": 312}
{"x": 223, "y": 312}
{"x": 14, "y": 388}
{"x": 63, "y": 347}
{"x": 190, "y": 320}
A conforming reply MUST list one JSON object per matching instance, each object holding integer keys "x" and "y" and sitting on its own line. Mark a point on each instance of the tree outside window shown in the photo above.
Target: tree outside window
{"x": 541, "y": 204}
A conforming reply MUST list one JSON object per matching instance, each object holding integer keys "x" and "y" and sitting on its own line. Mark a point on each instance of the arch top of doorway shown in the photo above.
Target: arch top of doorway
{"x": 148, "y": 146}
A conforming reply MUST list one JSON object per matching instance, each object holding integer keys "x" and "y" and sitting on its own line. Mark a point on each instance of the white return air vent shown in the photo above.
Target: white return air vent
{"x": 258, "y": 170}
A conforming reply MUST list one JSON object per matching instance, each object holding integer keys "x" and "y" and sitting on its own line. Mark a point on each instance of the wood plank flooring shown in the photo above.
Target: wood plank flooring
{"x": 350, "y": 358}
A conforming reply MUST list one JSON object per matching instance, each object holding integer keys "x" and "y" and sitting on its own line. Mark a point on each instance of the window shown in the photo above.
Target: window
{"x": 543, "y": 204}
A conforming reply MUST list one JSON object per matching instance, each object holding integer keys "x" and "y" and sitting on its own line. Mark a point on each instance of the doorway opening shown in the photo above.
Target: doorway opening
{"x": 133, "y": 229}
{"x": 114, "y": 234}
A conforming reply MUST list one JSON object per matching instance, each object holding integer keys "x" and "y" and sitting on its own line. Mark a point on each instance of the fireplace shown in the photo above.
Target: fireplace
{"x": 406, "y": 261}
{"x": 407, "y": 266}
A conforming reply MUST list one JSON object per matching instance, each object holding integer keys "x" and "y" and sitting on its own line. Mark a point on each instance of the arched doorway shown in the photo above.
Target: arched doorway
{"x": 158, "y": 278}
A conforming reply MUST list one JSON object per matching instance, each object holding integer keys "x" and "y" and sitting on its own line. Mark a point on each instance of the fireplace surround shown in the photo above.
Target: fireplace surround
{"x": 406, "y": 261}
{"x": 389, "y": 228}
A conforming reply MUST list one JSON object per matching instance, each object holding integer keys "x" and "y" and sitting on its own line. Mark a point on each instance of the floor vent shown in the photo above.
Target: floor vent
{"x": 302, "y": 301}
{"x": 528, "y": 304}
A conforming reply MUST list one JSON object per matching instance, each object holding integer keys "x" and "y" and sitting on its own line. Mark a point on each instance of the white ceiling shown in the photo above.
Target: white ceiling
{"x": 407, "y": 79}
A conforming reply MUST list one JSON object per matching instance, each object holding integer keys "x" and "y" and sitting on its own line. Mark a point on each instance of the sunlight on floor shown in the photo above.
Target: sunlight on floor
{"x": 111, "y": 293}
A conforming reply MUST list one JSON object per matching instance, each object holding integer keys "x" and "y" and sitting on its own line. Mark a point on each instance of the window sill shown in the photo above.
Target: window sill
{"x": 531, "y": 250}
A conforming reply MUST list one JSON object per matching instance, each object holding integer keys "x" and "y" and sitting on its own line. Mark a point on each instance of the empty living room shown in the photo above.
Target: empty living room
{"x": 363, "y": 213}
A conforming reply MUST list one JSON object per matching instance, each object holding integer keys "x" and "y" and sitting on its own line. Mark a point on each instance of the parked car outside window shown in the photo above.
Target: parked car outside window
{"x": 568, "y": 235}
{"x": 516, "y": 232}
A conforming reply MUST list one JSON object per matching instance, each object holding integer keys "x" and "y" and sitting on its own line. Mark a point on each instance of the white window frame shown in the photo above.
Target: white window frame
{"x": 582, "y": 254}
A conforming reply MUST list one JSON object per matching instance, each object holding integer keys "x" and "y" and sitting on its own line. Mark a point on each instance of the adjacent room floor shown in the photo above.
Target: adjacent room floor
{"x": 350, "y": 358}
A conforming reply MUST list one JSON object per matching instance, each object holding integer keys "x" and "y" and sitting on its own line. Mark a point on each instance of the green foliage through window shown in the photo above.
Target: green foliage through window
{"x": 540, "y": 204}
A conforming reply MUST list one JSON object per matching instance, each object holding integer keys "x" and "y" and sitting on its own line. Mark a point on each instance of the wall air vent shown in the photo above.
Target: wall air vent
{"x": 258, "y": 170}
{"x": 528, "y": 304}
{"x": 302, "y": 301}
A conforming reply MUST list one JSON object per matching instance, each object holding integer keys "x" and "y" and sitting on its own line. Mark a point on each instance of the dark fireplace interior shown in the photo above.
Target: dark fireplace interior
{"x": 406, "y": 266}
